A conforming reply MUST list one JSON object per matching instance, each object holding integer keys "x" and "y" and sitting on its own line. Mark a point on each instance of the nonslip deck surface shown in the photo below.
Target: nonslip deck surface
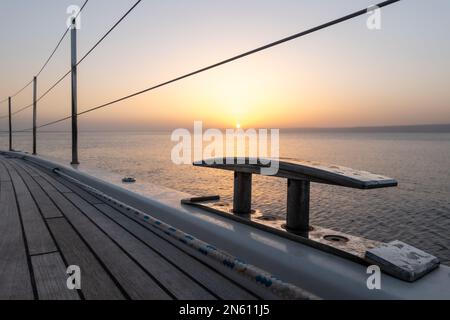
{"x": 48, "y": 224}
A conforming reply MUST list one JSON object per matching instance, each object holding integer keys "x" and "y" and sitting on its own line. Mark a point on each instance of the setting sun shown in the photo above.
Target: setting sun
{"x": 148, "y": 148}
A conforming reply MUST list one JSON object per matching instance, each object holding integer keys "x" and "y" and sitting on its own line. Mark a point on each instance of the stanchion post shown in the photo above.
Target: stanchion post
{"x": 34, "y": 113}
{"x": 10, "y": 125}
{"x": 74, "y": 93}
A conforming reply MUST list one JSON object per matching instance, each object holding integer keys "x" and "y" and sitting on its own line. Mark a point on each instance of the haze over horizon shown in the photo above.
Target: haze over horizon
{"x": 346, "y": 76}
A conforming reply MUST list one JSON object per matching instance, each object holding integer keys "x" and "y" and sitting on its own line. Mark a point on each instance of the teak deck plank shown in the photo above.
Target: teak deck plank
{"x": 50, "y": 274}
{"x": 48, "y": 209}
{"x": 75, "y": 189}
{"x": 4, "y": 176}
{"x": 38, "y": 236}
{"x": 38, "y": 173}
{"x": 96, "y": 284}
{"x": 15, "y": 280}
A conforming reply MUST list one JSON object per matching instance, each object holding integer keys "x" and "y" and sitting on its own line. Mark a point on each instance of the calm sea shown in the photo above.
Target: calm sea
{"x": 417, "y": 212}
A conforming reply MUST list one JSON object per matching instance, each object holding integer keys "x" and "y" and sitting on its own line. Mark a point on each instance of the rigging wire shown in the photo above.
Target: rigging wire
{"x": 109, "y": 31}
{"x": 49, "y": 58}
{"x": 229, "y": 60}
{"x": 18, "y": 92}
{"x": 61, "y": 40}
{"x": 88, "y": 52}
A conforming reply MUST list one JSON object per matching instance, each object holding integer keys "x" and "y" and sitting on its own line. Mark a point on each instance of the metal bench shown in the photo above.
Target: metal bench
{"x": 299, "y": 174}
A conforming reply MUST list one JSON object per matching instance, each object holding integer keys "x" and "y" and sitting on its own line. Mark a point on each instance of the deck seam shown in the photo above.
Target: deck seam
{"x": 24, "y": 237}
{"x": 54, "y": 218}
{"x": 100, "y": 261}
{"x": 44, "y": 253}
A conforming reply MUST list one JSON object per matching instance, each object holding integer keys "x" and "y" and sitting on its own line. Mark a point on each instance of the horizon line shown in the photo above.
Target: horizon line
{"x": 444, "y": 127}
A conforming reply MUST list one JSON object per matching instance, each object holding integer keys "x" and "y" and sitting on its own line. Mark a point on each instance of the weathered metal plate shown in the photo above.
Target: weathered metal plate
{"x": 402, "y": 260}
{"x": 335, "y": 242}
{"x": 305, "y": 170}
{"x": 395, "y": 258}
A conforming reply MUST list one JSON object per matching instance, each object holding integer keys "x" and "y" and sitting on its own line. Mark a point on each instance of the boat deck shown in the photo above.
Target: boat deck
{"x": 48, "y": 223}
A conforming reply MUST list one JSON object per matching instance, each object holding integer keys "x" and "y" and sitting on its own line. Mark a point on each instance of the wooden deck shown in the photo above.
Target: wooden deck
{"x": 48, "y": 224}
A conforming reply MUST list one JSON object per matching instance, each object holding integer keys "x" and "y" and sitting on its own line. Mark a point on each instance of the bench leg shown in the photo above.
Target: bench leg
{"x": 297, "y": 220}
{"x": 242, "y": 199}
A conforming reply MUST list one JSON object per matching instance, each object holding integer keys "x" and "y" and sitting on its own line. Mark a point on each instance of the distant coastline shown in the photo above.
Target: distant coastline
{"x": 431, "y": 128}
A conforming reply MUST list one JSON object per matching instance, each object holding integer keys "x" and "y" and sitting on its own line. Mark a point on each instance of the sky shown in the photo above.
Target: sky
{"x": 344, "y": 76}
